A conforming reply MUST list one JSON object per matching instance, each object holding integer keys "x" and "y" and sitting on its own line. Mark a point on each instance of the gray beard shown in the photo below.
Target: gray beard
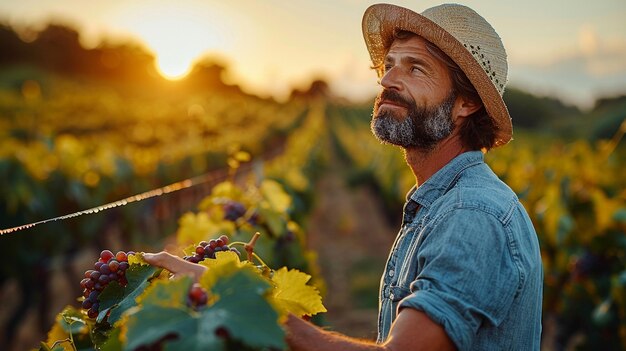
{"x": 422, "y": 127}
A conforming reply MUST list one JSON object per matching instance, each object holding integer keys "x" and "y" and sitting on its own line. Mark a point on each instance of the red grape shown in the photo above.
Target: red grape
{"x": 121, "y": 256}
{"x": 114, "y": 265}
{"x": 106, "y": 255}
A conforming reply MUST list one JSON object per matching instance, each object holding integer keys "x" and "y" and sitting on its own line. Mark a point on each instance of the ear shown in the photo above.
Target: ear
{"x": 464, "y": 107}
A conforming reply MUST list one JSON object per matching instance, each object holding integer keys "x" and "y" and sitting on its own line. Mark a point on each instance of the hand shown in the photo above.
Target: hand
{"x": 175, "y": 264}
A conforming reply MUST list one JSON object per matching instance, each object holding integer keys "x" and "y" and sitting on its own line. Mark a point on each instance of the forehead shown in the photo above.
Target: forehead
{"x": 412, "y": 46}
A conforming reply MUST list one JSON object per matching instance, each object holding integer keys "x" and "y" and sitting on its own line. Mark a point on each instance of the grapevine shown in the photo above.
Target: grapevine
{"x": 135, "y": 296}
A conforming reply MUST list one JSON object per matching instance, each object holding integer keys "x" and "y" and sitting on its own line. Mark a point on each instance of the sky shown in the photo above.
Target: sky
{"x": 574, "y": 50}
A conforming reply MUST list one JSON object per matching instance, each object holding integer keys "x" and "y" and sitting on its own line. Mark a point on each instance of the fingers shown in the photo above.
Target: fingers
{"x": 160, "y": 259}
{"x": 174, "y": 264}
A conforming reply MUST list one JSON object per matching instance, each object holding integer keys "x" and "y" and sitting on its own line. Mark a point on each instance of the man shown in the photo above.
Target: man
{"x": 465, "y": 270}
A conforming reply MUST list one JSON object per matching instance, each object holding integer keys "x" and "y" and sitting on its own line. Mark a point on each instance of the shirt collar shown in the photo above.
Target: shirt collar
{"x": 443, "y": 179}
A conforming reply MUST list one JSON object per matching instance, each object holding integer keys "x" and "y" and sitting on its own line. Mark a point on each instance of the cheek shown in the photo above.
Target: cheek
{"x": 427, "y": 91}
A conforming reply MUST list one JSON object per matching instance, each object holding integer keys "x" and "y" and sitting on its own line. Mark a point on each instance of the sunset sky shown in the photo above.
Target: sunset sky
{"x": 572, "y": 49}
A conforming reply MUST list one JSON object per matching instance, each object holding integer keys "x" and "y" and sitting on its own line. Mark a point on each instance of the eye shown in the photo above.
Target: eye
{"x": 416, "y": 69}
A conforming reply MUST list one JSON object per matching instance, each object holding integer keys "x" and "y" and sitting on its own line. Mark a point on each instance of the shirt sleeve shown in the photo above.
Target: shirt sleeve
{"x": 467, "y": 274}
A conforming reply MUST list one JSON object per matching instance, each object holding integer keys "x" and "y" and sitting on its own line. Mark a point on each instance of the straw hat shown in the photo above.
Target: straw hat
{"x": 459, "y": 32}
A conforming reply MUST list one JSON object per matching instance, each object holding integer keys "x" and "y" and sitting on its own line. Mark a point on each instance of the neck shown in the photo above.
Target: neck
{"x": 425, "y": 163}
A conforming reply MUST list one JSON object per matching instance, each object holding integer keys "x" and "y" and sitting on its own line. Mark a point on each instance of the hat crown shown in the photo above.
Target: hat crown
{"x": 477, "y": 36}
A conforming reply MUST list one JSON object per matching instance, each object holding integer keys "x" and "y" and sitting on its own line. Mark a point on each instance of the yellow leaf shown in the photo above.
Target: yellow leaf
{"x": 193, "y": 228}
{"x": 158, "y": 293}
{"x": 56, "y": 334}
{"x": 273, "y": 192}
{"x": 137, "y": 258}
{"x": 226, "y": 189}
{"x": 292, "y": 295}
{"x": 242, "y": 156}
{"x": 224, "y": 264}
{"x": 232, "y": 163}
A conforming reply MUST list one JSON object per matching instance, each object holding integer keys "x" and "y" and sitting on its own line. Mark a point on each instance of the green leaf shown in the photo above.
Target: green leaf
{"x": 117, "y": 299}
{"x": 73, "y": 321}
{"x": 274, "y": 220}
{"x": 113, "y": 341}
{"x": 147, "y": 325}
{"x": 244, "y": 311}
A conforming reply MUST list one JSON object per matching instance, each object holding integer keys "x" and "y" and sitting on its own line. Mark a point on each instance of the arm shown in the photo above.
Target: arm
{"x": 174, "y": 264}
{"x": 413, "y": 330}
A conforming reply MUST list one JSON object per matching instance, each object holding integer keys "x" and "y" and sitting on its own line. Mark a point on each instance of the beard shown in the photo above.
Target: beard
{"x": 422, "y": 127}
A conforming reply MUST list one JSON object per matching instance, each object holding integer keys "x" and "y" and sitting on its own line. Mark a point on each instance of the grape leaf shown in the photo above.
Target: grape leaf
{"x": 117, "y": 299}
{"x": 225, "y": 263}
{"x": 274, "y": 220}
{"x": 151, "y": 323}
{"x": 137, "y": 258}
{"x": 72, "y": 321}
{"x": 192, "y": 228}
{"x": 57, "y": 333}
{"x": 291, "y": 293}
{"x": 241, "y": 309}
{"x": 112, "y": 343}
{"x": 278, "y": 199}
{"x": 69, "y": 320}
{"x": 166, "y": 293}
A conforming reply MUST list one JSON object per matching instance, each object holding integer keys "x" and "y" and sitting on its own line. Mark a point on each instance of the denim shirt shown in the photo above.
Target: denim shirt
{"x": 467, "y": 255}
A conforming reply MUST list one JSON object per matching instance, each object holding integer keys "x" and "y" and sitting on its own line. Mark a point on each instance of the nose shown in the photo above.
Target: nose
{"x": 390, "y": 80}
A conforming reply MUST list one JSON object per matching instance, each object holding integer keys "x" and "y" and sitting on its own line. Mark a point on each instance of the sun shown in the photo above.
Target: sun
{"x": 178, "y": 36}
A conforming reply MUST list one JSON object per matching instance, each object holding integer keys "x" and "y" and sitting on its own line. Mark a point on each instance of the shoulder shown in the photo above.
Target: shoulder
{"x": 478, "y": 190}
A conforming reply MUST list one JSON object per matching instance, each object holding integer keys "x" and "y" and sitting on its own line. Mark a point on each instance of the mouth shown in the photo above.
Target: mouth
{"x": 389, "y": 103}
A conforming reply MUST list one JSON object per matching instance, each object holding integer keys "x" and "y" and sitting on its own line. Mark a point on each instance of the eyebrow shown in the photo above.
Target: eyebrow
{"x": 410, "y": 60}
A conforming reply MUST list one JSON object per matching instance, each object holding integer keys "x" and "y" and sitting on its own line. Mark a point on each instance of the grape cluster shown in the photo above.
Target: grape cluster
{"x": 197, "y": 295}
{"x": 207, "y": 249}
{"x": 233, "y": 210}
{"x": 107, "y": 269}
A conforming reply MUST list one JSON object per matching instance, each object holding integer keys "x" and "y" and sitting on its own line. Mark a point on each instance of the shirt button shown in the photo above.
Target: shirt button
{"x": 391, "y": 273}
{"x": 391, "y": 296}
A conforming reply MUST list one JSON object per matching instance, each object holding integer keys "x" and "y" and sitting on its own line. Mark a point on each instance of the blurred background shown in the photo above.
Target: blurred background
{"x": 104, "y": 100}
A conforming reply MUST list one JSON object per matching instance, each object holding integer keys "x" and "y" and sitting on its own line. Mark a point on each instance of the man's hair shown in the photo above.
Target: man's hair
{"x": 479, "y": 130}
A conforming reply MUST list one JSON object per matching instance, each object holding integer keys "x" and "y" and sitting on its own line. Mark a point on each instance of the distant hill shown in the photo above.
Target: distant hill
{"x": 532, "y": 112}
{"x": 606, "y": 117}
{"x": 57, "y": 49}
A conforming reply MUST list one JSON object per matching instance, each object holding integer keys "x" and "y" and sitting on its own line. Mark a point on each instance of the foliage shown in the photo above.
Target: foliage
{"x": 246, "y": 301}
{"x": 245, "y": 308}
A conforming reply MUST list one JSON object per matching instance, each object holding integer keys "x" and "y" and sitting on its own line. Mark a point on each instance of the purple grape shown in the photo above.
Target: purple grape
{"x": 233, "y": 210}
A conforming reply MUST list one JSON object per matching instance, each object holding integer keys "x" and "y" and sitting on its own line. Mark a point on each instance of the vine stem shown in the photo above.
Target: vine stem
{"x": 260, "y": 260}
{"x": 249, "y": 247}
{"x": 71, "y": 334}
{"x": 59, "y": 342}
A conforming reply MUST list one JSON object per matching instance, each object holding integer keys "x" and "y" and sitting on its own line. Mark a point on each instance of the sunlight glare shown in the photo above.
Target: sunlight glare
{"x": 178, "y": 36}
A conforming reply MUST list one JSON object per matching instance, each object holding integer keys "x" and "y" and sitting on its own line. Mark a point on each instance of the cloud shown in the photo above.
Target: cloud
{"x": 596, "y": 68}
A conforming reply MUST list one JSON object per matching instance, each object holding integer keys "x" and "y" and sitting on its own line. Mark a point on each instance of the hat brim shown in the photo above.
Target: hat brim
{"x": 380, "y": 21}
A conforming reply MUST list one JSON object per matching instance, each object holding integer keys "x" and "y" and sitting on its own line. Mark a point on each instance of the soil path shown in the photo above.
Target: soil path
{"x": 352, "y": 237}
